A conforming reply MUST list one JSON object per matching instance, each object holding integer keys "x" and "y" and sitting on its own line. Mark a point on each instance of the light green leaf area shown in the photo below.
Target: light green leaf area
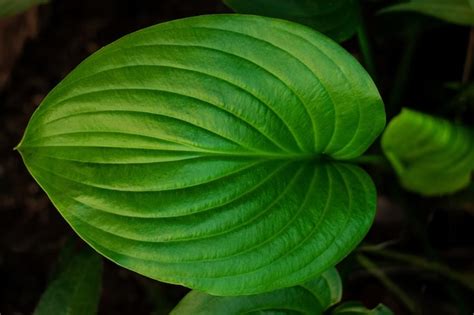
{"x": 312, "y": 298}
{"x": 338, "y": 19}
{"x": 453, "y": 11}
{"x": 431, "y": 155}
{"x": 203, "y": 152}
{"x": 75, "y": 290}
{"x": 12, "y": 7}
{"x": 356, "y": 308}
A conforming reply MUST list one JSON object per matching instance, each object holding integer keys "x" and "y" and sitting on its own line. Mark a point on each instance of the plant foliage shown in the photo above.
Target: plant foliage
{"x": 213, "y": 152}
{"x": 430, "y": 155}
{"x": 12, "y": 7}
{"x": 454, "y": 11}
{"x": 312, "y": 298}
{"x": 337, "y": 19}
{"x": 356, "y": 308}
{"x": 76, "y": 288}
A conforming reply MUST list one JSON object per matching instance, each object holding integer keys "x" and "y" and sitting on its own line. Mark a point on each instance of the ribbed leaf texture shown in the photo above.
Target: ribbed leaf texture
{"x": 76, "y": 288}
{"x": 431, "y": 155}
{"x": 338, "y": 19}
{"x": 203, "y": 152}
{"x": 453, "y": 11}
{"x": 312, "y": 298}
{"x": 12, "y": 7}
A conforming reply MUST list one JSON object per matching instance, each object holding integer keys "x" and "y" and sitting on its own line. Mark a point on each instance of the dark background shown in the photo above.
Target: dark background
{"x": 65, "y": 32}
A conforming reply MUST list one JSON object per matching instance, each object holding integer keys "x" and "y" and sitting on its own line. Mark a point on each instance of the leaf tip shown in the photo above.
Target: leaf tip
{"x": 18, "y": 146}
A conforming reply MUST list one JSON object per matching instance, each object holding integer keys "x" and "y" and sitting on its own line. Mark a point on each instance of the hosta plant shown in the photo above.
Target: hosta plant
{"x": 430, "y": 155}
{"x": 216, "y": 152}
{"x": 314, "y": 297}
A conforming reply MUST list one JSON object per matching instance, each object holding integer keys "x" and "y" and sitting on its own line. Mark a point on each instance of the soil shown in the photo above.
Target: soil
{"x": 32, "y": 232}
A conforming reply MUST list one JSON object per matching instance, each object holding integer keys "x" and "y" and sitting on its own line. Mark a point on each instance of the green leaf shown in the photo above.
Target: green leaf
{"x": 356, "y": 308}
{"x": 431, "y": 155}
{"x": 454, "y": 11}
{"x": 12, "y": 7}
{"x": 202, "y": 152}
{"x": 75, "y": 290}
{"x": 338, "y": 19}
{"x": 312, "y": 297}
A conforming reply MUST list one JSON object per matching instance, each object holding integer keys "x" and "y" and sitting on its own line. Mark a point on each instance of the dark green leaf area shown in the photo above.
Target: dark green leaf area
{"x": 338, "y": 19}
{"x": 356, "y": 308}
{"x": 12, "y": 7}
{"x": 432, "y": 156}
{"x": 312, "y": 298}
{"x": 75, "y": 289}
{"x": 204, "y": 151}
{"x": 453, "y": 11}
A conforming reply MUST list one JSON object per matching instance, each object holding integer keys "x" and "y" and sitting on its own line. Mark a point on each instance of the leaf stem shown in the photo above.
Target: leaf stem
{"x": 366, "y": 48}
{"x": 371, "y": 159}
{"x": 469, "y": 58}
{"x": 467, "y": 280}
{"x": 403, "y": 70}
{"x": 391, "y": 286}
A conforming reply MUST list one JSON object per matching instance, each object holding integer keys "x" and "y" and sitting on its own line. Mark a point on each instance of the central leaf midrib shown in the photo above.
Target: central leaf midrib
{"x": 199, "y": 153}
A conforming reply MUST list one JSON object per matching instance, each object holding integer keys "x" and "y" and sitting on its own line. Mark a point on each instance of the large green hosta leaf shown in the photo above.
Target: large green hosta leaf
{"x": 431, "y": 155}
{"x": 203, "y": 152}
{"x": 339, "y": 19}
{"x": 312, "y": 298}
{"x": 454, "y": 11}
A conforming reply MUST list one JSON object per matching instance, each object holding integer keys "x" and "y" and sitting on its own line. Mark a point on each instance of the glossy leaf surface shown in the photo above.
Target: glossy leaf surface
{"x": 338, "y": 19}
{"x": 76, "y": 288}
{"x": 203, "y": 152}
{"x": 312, "y": 298}
{"x": 454, "y": 11}
{"x": 12, "y": 7}
{"x": 356, "y": 308}
{"x": 431, "y": 156}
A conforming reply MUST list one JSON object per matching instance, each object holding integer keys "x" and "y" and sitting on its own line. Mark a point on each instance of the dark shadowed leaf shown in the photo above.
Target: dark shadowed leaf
{"x": 454, "y": 11}
{"x": 75, "y": 289}
{"x": 12, "y": 7}
{"x": 356, "y": 308}
{"x": 339, "y": 19}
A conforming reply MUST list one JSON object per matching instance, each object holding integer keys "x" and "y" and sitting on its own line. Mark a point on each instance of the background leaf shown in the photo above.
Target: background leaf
{"x": 75, "y": 290}
{"x": 338, "y": 19}
{"x": 201, "y": 152}
{"x": 12, "y": 7}
{"x": 312, "y": 297}
{"x": 454, "y": 11}
{"x": 356, "y": 308}
{"x": 431, "y": 156}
